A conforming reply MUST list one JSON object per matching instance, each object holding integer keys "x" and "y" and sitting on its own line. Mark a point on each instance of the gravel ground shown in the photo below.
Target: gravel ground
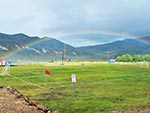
{"x": 12, "y": 101}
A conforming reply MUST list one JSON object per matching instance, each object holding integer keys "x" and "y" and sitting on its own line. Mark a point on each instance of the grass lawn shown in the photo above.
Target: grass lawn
{"x": 99, "y": 87}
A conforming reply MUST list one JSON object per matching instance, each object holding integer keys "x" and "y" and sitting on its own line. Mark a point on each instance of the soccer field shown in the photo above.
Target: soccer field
{"x": 100, "y": 87}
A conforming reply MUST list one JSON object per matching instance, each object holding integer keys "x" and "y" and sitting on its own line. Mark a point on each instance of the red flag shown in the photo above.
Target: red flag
{"x": 47, "y": 72}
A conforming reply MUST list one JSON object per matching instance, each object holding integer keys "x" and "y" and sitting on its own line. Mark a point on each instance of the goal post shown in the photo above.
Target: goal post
{"x": 6, "y": 70}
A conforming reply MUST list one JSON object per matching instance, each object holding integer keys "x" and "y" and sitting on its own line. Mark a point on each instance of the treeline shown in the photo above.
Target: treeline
{"x": 135, "y": 58}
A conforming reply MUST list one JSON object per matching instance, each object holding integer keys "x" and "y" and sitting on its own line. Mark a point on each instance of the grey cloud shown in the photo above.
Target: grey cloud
{"x": 47, "y": 17}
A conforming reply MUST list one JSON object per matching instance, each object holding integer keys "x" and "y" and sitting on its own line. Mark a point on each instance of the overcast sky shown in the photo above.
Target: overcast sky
{"x": 59, "y": 17}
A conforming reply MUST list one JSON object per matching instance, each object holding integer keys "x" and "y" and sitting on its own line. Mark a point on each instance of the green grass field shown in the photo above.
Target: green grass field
{"x": 99, "y": 88}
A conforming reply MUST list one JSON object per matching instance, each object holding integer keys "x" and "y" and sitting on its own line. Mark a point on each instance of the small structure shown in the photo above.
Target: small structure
{"x": 2, "y": 62}
{"x": 111, "y": 61}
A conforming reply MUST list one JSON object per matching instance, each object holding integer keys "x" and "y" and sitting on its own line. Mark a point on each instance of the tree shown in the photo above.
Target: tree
{"x": 135, "y": 58}
{"x": 146, "y": 57}
{"x": 118, "y": 59}
{"x": 138, "y": 58}
{"x": 126, "y": 58}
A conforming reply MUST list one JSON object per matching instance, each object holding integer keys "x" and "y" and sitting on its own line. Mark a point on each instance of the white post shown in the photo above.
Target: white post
{"x": 73, "y": 76}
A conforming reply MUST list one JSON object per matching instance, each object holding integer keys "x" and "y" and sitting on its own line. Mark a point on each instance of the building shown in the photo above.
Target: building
{"x": 2, "y": 62}
{"x": 111, "y": 61}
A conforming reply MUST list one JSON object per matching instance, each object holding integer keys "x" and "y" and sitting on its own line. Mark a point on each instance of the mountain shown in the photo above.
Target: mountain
{"x": 20, "y": 47}
{"x": 23, "y": 47}
{"x": 111, "y": 50}
{"x": 10, "y": 41}
{"x": 145, "y": 39}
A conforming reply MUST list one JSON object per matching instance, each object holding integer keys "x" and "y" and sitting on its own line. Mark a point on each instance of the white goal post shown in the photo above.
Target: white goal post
{"x": 6, "y": 70}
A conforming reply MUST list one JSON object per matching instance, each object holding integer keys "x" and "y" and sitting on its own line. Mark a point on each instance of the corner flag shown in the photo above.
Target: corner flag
{"x": 47, "y": 72}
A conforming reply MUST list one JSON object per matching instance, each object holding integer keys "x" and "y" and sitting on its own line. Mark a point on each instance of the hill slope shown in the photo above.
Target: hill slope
{"x": 116, "y": 48}
{"x": 26, "y": 48}
{"x": 32, "y": 48}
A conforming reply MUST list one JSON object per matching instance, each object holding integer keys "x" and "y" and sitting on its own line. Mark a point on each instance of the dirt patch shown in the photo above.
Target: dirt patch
{"x": 52, "y": 96}
{"x": 12, "y": 101}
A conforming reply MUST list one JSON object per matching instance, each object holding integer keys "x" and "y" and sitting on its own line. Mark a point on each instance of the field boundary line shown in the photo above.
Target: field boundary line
{"x": 80, "y": 82}
{"x": 29, "y": 83}
{"x": 115, "y": 79}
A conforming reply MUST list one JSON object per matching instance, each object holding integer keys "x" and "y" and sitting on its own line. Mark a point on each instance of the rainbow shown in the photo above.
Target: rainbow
{"x": 9, "y": 55}
{"x": 123, "y": 35}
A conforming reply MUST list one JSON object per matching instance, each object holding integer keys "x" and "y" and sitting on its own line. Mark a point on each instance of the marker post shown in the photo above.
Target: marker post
{"x": 73, "y": 76}
{"x": 47, "y": 73}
